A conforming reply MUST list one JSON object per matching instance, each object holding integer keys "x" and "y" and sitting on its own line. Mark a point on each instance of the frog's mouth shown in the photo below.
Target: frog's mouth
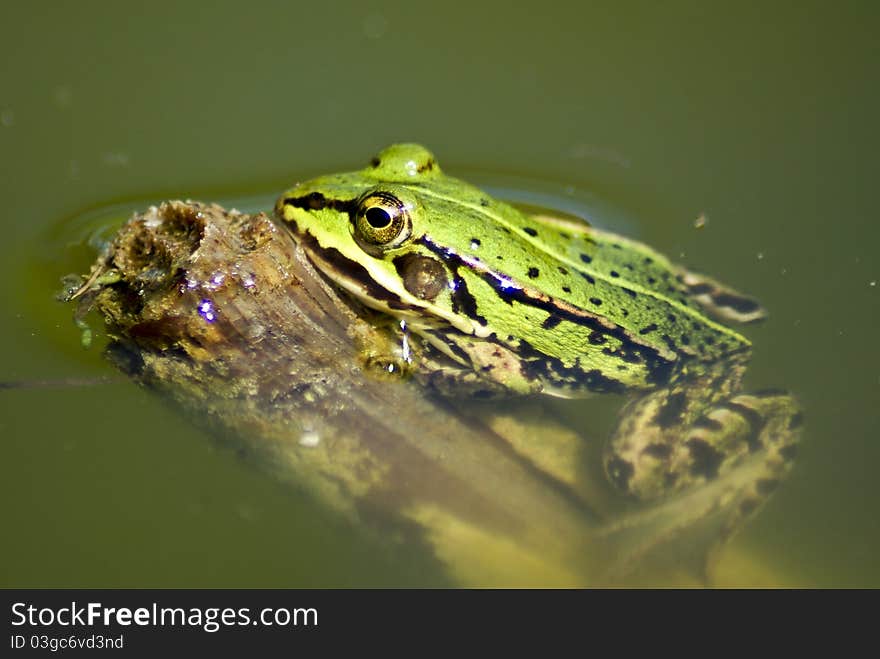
{"x": 353, "y": 278}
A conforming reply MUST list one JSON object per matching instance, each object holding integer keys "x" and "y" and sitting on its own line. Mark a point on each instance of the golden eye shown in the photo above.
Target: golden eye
{"x": 382, "y": 220}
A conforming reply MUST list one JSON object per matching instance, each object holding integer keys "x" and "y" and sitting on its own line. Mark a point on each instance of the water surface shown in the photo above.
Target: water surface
{"x": 763, "y": 121}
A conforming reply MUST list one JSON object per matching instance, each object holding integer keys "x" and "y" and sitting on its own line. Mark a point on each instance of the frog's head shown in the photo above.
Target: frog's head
{"x": 366, "y": 231}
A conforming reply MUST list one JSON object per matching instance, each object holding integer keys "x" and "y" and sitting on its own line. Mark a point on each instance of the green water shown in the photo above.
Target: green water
{"x": 762, "y": 119}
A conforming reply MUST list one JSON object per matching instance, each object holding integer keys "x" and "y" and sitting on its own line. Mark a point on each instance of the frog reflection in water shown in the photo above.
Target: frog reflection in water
{"x": 509, "y": 303}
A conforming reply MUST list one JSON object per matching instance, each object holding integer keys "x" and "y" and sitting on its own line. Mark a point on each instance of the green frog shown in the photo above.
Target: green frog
{"x": 509, "y": 303}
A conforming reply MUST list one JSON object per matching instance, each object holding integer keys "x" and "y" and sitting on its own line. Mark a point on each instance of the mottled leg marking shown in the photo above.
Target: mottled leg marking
{"x": 455, "y": 382}
{"x": 721, "y": 301}
{"x": 473, "y": 367}
{"x": 671, "y": 439}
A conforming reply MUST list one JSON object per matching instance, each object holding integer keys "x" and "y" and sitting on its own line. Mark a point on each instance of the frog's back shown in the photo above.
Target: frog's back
{"x": 575, "y": 278}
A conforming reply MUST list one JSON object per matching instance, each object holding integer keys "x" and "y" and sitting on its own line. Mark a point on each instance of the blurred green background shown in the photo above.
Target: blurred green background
{"x": 761, "y": 117}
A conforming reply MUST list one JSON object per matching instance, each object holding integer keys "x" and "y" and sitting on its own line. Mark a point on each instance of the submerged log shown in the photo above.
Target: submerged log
{"x": 221, "y": 313}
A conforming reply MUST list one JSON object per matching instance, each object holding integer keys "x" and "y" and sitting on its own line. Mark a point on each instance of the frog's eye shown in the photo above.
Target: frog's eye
{"x": 382, "y": 222}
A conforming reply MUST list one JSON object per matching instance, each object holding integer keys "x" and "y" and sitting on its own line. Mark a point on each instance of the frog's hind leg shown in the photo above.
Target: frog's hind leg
{"x": 773, "y": 421}
{"x": 666, "y": 444}
{"x": 720, "y": 301}
{"x": 715, "y": 464}
{"x": 681, "y": 534}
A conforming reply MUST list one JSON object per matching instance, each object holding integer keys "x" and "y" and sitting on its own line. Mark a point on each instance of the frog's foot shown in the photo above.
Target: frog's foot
{"x": 660, "y": 448}
{"x": 385, "y": 351}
